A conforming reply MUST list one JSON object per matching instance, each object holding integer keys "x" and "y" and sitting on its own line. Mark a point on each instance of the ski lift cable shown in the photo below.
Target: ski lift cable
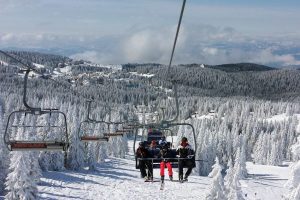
{"x": 170, "y": 63}
{"x": 47, "y": 77}
{"x": 176, "y": 36}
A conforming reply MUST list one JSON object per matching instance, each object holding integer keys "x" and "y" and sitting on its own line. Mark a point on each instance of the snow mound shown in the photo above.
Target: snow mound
{"x": 38, "y": 66}
{"x": 143, "y": 75}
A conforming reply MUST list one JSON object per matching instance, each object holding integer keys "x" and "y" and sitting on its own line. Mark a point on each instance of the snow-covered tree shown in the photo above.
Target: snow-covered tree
{"x": 235, "y": 191}
{"x": 244, "y": 172}
{"x": 217, "y": 189}
{"x": 229, "y": 176}
{"x": 3, "y": 153}
{"x": 20, "y": 183}
{"x": 76, "y": 148}
{"x": 35, "y": 169}
{"x": 91, "y": 160}
{"x": 76, "y": 154}
{"x": 293, "y": 183}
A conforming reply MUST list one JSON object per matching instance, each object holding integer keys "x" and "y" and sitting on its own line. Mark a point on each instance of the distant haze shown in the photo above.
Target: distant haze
{"x": 123, "y": 31}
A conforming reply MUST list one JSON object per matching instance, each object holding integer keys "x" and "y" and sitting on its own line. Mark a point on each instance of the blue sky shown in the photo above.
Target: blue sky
{"x": 122, "y": 31}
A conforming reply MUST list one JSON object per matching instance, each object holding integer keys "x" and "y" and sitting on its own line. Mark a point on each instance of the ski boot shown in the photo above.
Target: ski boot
{"x": 171, "y": 178}
{"x": 181, "y": 178}
{"x": 146, "y": 178}
{"x": 162, "y": 179}
{"x": 185, "y": 178}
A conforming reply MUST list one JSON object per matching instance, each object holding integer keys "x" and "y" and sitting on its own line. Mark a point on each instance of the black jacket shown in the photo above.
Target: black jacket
{"x": 184, "y": 152}
{"x": 141, "y": 152}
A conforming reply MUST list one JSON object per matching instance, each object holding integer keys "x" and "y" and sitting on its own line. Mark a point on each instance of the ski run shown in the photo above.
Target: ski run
{"x": 117, "y": 178}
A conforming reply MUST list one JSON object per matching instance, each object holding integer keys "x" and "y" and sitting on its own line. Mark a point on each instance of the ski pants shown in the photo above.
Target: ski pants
{"x": 162, "y": 168}
{"x": 146, "y": 165}
{"x": 185, "y": 163}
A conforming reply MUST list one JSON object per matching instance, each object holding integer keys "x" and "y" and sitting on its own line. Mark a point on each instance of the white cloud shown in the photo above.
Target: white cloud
{"x": 210, "y": 51}
{"x": 197, "y": 44}
{"x": 267, "y": 56}
{"x": 98, "y": 57}
{"x": 151, "y": 45}
{"x": 6, "y": 37}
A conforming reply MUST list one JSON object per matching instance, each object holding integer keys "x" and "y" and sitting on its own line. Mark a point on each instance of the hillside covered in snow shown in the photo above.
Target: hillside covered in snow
{"x": 246, "y": 123}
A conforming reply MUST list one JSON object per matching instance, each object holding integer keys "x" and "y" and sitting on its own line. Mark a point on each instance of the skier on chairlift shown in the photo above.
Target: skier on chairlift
{"x": 153, "y": 149}
{"x": 184, "y": 150}
{"x": 165, "y": 153}
{"x": 162, "y": 141}
{"x": 144, "y": 165}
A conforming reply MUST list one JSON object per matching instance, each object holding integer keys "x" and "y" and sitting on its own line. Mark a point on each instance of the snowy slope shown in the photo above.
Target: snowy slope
{"x": 118, "y": 179}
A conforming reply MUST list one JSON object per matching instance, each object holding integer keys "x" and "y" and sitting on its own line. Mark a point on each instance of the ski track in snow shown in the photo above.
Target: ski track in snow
{"x": 118, "y": 179}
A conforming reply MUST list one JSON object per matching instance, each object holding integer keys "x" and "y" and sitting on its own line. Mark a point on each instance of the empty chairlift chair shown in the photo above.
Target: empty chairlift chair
{"x": 36, "y": 129}
{"x": 91, "y": 130}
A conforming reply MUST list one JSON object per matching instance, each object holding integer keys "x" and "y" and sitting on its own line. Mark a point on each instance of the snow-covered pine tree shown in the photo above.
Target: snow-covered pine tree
{"x": 76, "y": 149}
{"x": 56, "y": 159}
{"x": 91, "y": 159}
{"x": 3, "y": 152}
{"x": 35, "y": 169}
{"x": 244, "y": 172}
{"x": 240, "y": 162}
{"x": 229, "y": 176}
{"x": 235, "y": 191}
{"x": 217, "y": 189}
{"x": 293, "y": 183}
{"x": 24, "y": 173}
{"x": 215, "y": 168}
{"x": 19, "y": 183}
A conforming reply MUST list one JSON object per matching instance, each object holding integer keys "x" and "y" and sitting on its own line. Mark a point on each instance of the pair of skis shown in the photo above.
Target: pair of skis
{"x": 162, "y": 184}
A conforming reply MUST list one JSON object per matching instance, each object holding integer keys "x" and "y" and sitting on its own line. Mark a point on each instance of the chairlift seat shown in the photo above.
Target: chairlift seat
{"x": 93, "y": 138}
{"x": 131, "y": 125}
{"x": 113, "y": 134}
{"x": 127, "y": 129}
{"x": 121, "y": 131}
{"x": 155, "y": 162}
{"x": 37, "y": 146}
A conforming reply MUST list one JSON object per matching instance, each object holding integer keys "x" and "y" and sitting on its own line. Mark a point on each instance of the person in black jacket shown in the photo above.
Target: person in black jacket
{"x": 142, "y": 152}
{"x": 165, "y": 153}
{"x": 184, "y": 150}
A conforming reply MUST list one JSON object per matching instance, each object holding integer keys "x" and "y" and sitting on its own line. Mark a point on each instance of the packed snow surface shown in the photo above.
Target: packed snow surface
{"x": 118, "y": 179}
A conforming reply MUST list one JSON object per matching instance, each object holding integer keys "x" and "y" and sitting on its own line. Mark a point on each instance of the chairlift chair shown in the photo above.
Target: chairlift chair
{"x": 117, "y": 132}
{"x": 156, "y": 135}
{"x": 36, "y": 136}
{"x": 84, "y": 131}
